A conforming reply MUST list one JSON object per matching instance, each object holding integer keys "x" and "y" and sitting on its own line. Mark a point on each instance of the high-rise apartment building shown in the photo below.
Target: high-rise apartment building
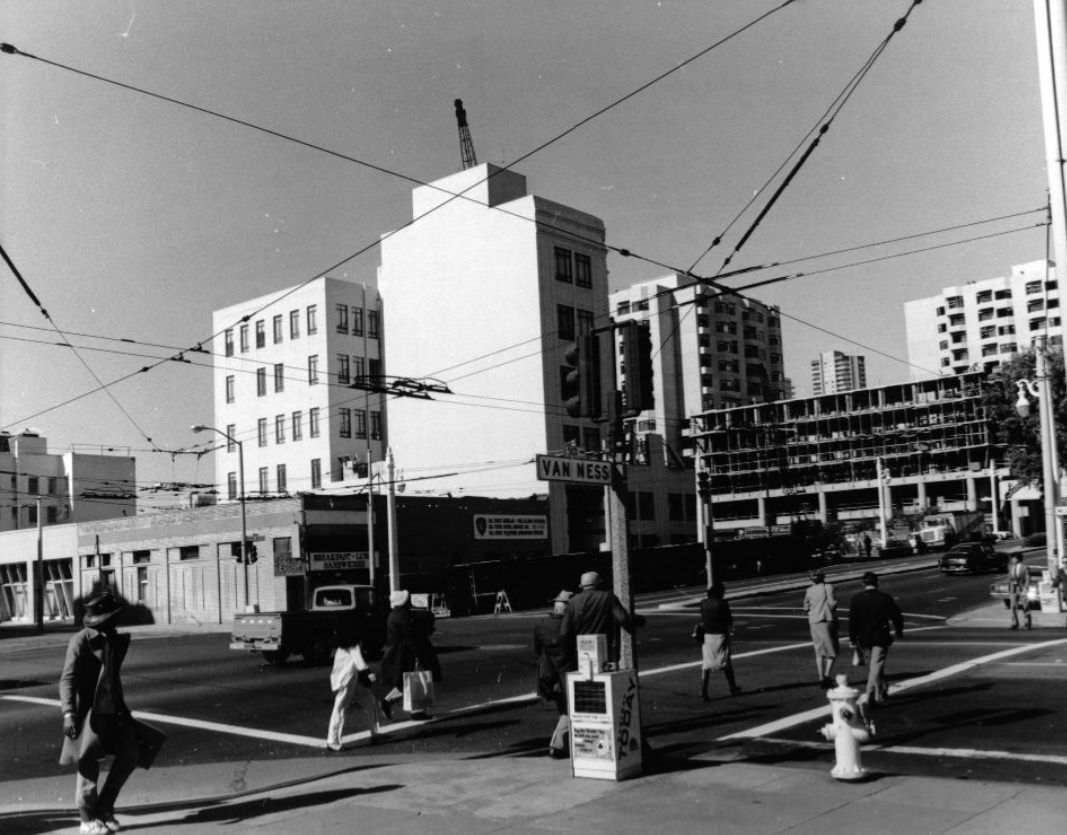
{"x": 484, "y": 293}
{"x": 285, "y": 364}
{"x": 978, "y": 325}
{"x": 710, "y": 350}
{"x": 62, "y": 487}
{"x": 835, "y": 371}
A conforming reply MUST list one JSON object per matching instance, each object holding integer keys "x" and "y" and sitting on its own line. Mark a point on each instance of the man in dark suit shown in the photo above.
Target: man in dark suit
{"x": 96, "y": 721}
{"x": 595, "y": 611}
{"x": 871, "y": 615}
{"x": 1019, "y": 590}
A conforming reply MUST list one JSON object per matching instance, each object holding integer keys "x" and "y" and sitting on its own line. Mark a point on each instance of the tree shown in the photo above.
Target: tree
{"x": 1022, "y": 436}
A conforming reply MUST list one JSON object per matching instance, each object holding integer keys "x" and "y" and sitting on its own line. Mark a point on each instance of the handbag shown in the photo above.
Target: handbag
{"x": 698, "y": 633}
{"x": 149, "y": 740}
{"x": 418, "y": 690}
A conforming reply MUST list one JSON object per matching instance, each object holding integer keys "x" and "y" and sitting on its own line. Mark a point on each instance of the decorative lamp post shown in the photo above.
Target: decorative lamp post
{"x": 241, "y": 487}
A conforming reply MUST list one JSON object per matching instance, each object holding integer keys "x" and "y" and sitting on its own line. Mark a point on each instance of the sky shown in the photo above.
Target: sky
{"x": 132, "y": 218}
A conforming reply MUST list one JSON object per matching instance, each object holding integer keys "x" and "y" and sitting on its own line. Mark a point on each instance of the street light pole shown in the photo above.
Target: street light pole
{"x": 241, "y": 497}
{"x": 1039, "y": 390}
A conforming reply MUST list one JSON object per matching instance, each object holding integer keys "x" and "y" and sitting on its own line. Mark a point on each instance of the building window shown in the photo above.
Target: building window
{"x": 1002, "y": 294}
{"x": 357, "y": 321}
{"x": 277, "y": 325}
{"x": 229, "y": 389}
{"x": 359, "y": 369}
{"x": 954, "y": 302}
{"x": 189, "y": 552}
{"x": 372, "y": 324}
{"x": 1035, "y": 305}
{"x": 623, "y": 309}
{"x": 375, "y": 370}
{"x": 261, "y": 431}
{"x": 343, "y": 375}
{"x": 294, "y": 324}
{"x": 361, "y": 423}
{"x": 279, "y": 377}
{"x": 316, "y": 473}
{"x": 32, "y": 485}
{"x": 261, "y": 382}
{"x": 957, "y": 320}
{"x": 565, "y": 321}
{"x": 313, "y": 422}
{"x": 283, "y": 548}
{"x": 984, "y": 297}
{"x": 264, "y": 477}
{"x": 52, "y": 483}
{"x": 563, "y": 265}
{"x": 988, "y": 332}
{"x": 989, "y": 350}
{"x": 376, "y": 425}
{"x": 313, "y": 323}
{"x": 585, "y": 321}
{"x": 985, "y": 314}
{"x": 346, "y": 423}
{"x": 231, "y": 432}
{"x": 313, "y": 369}
{"x": 31, "y": 514}
{"x": 231, "y": 486}
{"x": 1008, "y": 348}
{"x": 1037, "y": 324}
{"x": 279, "y": 429}
{"x": 298, "y": 426}
{"x": 583, "y": 270}
{"x": 1033, "y": 287}
{"x": 1006, "y": 330}
{"x": 244, "y": 339}
{"x": 1003, "y": 312}
{"x": 342, "y": 318}
{"x": 590, "y": 439}
{"x": 281, "y": 480}
{"x": 229, "y": 342}
{"x": 261, "y": 334}
{"x": 51, "y": 514}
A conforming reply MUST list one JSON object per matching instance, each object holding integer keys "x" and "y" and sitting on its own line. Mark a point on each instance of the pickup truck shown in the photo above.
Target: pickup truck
{"x": 972, "y": 558}
{"x": 312, "y": 633}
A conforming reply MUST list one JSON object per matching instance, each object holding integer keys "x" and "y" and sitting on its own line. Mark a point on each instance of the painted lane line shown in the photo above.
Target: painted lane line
{"x": 946, "y": 672}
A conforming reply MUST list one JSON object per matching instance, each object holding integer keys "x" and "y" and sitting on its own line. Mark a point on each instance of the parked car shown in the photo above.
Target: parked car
{"x": 895, "y": 548}
{"x": 972, "y": 558}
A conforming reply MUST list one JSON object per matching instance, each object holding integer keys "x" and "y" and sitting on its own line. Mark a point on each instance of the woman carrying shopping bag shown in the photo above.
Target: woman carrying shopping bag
{"x": 408, "y": 648}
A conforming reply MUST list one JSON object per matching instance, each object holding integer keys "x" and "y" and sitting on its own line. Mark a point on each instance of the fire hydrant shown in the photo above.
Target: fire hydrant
{"x": 848, "y": 728}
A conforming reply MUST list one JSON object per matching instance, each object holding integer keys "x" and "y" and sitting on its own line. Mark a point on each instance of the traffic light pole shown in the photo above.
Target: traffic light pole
{"x": 244, "y": 516}
{"x": 619, "y": 534}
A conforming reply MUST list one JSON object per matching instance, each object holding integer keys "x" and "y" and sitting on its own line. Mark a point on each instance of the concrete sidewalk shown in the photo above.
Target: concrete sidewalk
{"x": 358, "y": 791}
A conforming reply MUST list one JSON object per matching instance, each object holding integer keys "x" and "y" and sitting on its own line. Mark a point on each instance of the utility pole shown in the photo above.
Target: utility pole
{"x": 370, "y": 515}
{"x": 394, "y": 557}
{"x": 38, "y": 587}
{"x": 466, "y": 146}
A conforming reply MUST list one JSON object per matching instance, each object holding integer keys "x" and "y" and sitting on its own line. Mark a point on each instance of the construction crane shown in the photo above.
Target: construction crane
{"x": 466, "y": 147}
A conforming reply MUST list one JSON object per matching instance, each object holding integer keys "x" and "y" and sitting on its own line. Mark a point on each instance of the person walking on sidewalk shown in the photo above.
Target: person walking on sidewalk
{"x": 718, "y": 623}
{"x": 1019, "y": 590}
{"x": 821, "y": 608}
{"x": 407, "y": 643}
{"x": 552, "y": 666}
{"x": 96, "y": 720}
{"x": 595, "y": 611}
{"x": 350, "y": 674}
{"x": 871, "y": 615}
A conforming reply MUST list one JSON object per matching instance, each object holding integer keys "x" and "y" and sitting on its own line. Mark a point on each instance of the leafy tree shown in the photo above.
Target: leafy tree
{"x": 1022, "y": 436}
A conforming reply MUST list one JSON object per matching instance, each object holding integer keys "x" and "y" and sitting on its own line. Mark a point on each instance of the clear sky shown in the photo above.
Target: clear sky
{"x": 134, "y": 218}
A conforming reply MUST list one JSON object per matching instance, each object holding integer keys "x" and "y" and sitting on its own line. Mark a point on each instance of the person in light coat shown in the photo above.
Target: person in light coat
{"x": 1019, "y": 590}
{"x": 350, "y": 681}
{"x": 821, "y": 608}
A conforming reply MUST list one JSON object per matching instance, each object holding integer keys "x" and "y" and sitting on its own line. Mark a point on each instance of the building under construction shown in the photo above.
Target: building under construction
{"x": 860, "y": 456}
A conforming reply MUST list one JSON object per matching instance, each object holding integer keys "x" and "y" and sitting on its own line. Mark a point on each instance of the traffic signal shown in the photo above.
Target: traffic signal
{"x": 637, "y": 360}
{"x": 250, "y": 551}
{"x": 581, "y": 377}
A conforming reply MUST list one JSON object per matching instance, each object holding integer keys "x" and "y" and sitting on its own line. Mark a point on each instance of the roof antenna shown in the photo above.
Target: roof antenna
{"x": 466, "y": 146}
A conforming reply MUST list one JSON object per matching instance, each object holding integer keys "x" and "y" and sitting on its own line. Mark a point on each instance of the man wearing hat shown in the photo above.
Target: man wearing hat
{"x": 596, "y": 611}
{"x": 871, "y": 614}
{"x": 96, "y": 721}
{"x": 552, "y": 664}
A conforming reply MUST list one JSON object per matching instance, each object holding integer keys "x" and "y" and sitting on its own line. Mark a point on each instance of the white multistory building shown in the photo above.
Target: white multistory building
{"x": 836, "y": 371}
{"x": 484, "y": 293}
{"x": 285, "y": 364}
{"x": 63, "y": 487}
{"x": 710, "y": 350}
{"x": 979, "y": 325}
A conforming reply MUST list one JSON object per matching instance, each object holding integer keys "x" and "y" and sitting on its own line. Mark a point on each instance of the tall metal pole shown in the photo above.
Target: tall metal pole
{"x": 38, "y": 587}
{"x": 1050, "y": 22}
{"x": 370, "y": 513}
{"x": 244, "y": 514}
{"x": 883, "y": 486}
{"x": 1044, "y": 401}
{"x": 620, "y": 560}
{"x": 390, "y": 515}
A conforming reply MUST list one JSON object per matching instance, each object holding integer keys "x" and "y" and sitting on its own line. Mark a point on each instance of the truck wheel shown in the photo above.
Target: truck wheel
{"x": 275, "y": 657}
{"x": 318, "y": 651}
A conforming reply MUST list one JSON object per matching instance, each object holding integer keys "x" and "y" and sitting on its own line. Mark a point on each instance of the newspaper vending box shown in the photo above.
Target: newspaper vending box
{"x": 605, "y": 719}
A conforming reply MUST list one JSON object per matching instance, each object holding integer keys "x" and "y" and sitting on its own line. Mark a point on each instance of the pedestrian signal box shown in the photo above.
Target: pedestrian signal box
{"x": 605, "y": 715}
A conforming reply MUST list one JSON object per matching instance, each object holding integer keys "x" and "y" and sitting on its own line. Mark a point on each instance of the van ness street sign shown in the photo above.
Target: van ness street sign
{"x": 561, "y": 468}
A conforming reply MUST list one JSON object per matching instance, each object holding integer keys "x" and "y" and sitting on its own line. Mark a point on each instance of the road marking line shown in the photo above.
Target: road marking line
{"x": 946, "y": 672}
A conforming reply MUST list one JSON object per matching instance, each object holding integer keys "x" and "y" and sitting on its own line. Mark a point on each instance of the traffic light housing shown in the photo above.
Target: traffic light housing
{"x": 250, "y": 551}
{"x": 637, "y": 360}
{"x": 581, "y": 378}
